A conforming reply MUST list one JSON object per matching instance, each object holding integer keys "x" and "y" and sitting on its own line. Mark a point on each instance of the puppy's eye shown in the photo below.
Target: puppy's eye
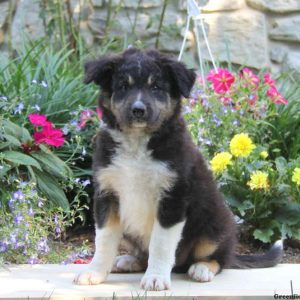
{"x": 154, "y": 87}
{"x": 124, "y": 86}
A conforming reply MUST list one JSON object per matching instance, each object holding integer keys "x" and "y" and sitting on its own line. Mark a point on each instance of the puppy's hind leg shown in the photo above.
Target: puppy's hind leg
{"x": 128, "y": 264}
{"x": 210, "y": 258}
{"x": 204, "y": 271}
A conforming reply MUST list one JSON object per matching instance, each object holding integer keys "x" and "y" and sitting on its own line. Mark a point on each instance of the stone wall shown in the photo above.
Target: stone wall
{"x": 255, "y": 33}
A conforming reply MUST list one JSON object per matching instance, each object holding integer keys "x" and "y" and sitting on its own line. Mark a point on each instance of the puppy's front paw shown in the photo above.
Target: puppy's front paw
{"x": 90, "y": 277}
{"x": 154, "y": 282}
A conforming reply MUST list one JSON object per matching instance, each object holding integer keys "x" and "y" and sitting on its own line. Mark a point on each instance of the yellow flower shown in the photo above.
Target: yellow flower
{"x": 296, "y": 176}
{"x": 264, "y": 154}
{"x": 220, "y": 162}
{"x": 241, "y": 145}
{"x": 258, "y": 180}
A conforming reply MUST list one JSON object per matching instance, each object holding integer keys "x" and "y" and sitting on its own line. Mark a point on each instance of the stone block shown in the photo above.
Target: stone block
{"x": 134, "y": 3}
{"x": 276, "y": 6}
{"x": 238, "y": 37}
{"x": 214, "y": 6}
{"x": 4, "y": 10}
{"x": 27, "y": 20}
{"x": 98, "y": 3}
{"x": 277, "y": 54}
{"x": 292, "y": 65}
{"x": 286, "y": 29}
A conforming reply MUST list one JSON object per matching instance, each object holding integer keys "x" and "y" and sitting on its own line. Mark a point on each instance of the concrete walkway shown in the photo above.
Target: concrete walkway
{"x": 55, "y": 282}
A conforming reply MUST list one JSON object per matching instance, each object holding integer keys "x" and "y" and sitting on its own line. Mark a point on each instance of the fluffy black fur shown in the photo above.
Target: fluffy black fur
{"x": 194, "y": 196}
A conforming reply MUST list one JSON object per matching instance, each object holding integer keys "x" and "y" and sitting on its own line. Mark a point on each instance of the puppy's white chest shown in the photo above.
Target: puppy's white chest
{"x": 139, "y": 181}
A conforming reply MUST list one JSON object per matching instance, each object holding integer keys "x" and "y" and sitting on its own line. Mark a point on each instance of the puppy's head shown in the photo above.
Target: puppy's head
{"x": 140, "y": 89}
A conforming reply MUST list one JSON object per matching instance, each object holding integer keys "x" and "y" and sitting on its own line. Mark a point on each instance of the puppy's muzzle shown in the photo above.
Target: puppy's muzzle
{"x": 139, "y": 111}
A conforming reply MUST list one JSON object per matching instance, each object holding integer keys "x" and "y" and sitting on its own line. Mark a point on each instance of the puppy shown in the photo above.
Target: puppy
{"x": 152, "y": 186}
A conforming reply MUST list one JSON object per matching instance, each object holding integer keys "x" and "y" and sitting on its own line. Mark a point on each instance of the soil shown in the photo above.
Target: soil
{"x": 291, "y": 247}
{"x": 291, "y": 254}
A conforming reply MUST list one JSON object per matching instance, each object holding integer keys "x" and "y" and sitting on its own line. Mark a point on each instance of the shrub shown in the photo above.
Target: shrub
{"x": 46, "y": 127}
{"x": 233, "y": 123}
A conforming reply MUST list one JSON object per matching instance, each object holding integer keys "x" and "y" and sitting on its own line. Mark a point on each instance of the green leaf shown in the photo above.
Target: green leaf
{"x": 14, "y": 141}
{"x": 288, "y": 214}
{"x": 263, "y": 235}
{"x": 281, "y": 165}
{"x": 4, "y": 170}
{"x": 4, "y": 145}
{"x": 21, "y": 159}
{"x": 52, "y": 164}
{"x": 50, "y": 187}
{"x": 232, "y": 201}
{"x": 21, "y": 133}
{"x": 245, "y": 205}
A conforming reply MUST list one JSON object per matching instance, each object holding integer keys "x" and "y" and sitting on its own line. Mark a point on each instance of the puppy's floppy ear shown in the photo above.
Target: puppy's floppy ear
{"x": 182, "y": 78}
{"x": 101, "y": 71}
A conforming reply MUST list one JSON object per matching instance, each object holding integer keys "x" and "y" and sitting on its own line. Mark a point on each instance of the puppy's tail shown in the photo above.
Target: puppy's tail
{"x": 269, "y": 259}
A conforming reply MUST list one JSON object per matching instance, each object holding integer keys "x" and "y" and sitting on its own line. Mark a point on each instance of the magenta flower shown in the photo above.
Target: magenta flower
{"x": 49, "y": 136}
{"x": 221, "y": 80}
{"x": 99, "y": 112}
{"x": 268, "y": 80}
{"x": 275, "y": 96}
{"x": 250, "y": 78}
{"x": 37, "y": 119}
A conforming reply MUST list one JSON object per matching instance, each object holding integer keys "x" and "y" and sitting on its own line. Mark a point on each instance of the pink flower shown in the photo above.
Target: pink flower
{"x": 268, "y": 80}
{"x": 252, "y": 99}
{"x": 221, "y": 79}
{"x": 99, "y": 112}
{"x": 226, "y": 100}
{"x": 37, "y": 119}
{"x": 250, "y": 78}
{"x": 275, "y": 96}
{"x": 85, "y": 115}
{"x": 49, "y": 136}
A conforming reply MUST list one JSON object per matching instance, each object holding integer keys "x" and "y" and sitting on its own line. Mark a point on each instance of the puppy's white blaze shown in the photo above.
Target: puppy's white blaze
{"x": 139, "y": 97}
{"x": 106, "y": 247}
{"x": 149, "y": 81}
{"x": 139, "y": 181}
{"x": 162, "y": 248}
{"x": 130, "y": 80}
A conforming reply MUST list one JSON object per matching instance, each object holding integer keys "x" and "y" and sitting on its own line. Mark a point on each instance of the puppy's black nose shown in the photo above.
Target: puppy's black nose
{"x": 138, "y": 110}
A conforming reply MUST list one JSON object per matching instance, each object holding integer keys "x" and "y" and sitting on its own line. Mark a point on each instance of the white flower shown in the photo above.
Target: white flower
{"x": 44, "y": 84}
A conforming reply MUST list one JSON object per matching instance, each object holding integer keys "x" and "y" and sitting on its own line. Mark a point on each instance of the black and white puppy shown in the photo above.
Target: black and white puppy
{"x": 152, "y": 185}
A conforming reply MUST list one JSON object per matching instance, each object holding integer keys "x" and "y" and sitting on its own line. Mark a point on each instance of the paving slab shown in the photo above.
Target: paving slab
{"x": 55, "y": 282}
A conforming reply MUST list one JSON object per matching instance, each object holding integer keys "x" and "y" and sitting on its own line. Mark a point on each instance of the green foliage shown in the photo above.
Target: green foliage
{"x": 27, "y": 221}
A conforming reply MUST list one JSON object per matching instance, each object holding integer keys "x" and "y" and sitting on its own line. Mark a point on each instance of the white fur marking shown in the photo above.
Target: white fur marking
{"x": 200, "y": 272}
{"x": 139, "y": 97}
{"x": 139, "y": 182}
{"x": 107, "y": 241}
{"x": 127, "y": 263}
{"x": 163, "y": 244}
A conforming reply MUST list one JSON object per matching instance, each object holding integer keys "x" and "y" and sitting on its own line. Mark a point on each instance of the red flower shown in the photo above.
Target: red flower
{"x": 250, "y": 78}
{"x": 275, "y": 96}
{"x": 221, "y": 79}
{"x": 37, "y": 119}
{"x": 80, "y": 261}
{"x": 49, "y": 135}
